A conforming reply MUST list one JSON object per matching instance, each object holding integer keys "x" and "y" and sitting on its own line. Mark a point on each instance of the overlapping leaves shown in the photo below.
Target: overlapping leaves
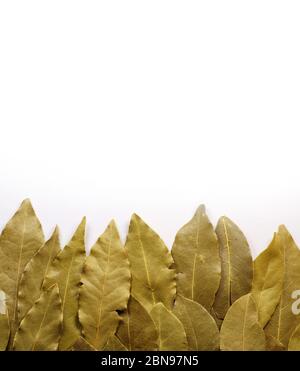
{"x": 205, "y": 294}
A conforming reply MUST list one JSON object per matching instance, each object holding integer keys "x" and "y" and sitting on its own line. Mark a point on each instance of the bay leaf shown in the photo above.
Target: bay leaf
{"x": 268, "y": 280}
{"x": 82, "y": 345}
{"x": 4, "y": 323}
{"x": 114, "y": 345}
{"x": 153, "y": 280}
{"x": 41, "y": 327}
{"x": 35, "y": 273}
{"x": 171, "y": 333}
{"x": 105, "y": 288}
{"x": 216, "y": 319}
{"x": 283, "y": 321}
{"x": 294, "y": 341}
{"x": 240, "y": 329}
{"x": 201, "y": 330}
{"x": 65, "y": 270}
{"x": 236, "y": 266}
{"x": 137, "y": 331}
{"x": 197, "y": 260}
{"x": 20, "y": 239}
{"x": 273, "y": 344}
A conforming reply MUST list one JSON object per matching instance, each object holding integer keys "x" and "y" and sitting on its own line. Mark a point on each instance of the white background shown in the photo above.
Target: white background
{"x": 114, "y": 107}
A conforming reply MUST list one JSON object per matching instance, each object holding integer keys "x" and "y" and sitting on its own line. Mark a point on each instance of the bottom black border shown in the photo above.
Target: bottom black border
{"x": 136, "y": 360}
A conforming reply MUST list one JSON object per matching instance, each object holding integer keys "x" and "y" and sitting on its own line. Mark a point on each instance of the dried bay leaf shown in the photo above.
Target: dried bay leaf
{"x": 105, "y": 288}
{"x": 114, "y": 345}
{"x": 153, "y": 280}
{"x": 4, "y": 324}
{"x": 283, "y": 322}
{"x": 201, "y": 330}
{"x": 240, "y": 329}
{"x": 137, "y": 331}
{"x": 197, "y": 261}
{"x": 65, "y": 270}
{"x": 171, "y": 333}
{"x": 20, "y": 239}
{"x": 216, "y": 319}
{"x": 294, "y": 342}
{"x": 236, "y": 266}
{"x": 34, "y": 274}
{"x": 41, "y": 327}
{"x": 83, "y": 345}
{"x": 268, "y": 280}
{"x": 4, "y": 331}
{"x": 273, "y": 344}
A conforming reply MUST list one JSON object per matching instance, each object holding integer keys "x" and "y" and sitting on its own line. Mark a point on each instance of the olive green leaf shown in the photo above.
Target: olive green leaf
{"x": 240, "y": 329}
{"x": 19, "y": 241}
{"x": 294, "y": 342}
{"x": 65, "y": 270}
{"x": 137, "y": 330}
{"x": 41, "y": 327}
{"x": 201, "y": 330}
{"x": 171, "y": 333}
{"x": 82, "y": 345}
{"x": 153, "y": 280}
{"x": 113, "y": 345}
{"x": 236, "y": 266}
{"x": 4, "y": 324}
{"x": 197, "y": 261}
{"x": 34, "y": 274}
{"x": 284, "y": 321}
{"x": 105, "y": 288}
{"x": 268, "y": 280}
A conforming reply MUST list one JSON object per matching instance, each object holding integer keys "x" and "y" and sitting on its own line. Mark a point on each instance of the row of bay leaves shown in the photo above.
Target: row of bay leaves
{"x": 204, "y": 294}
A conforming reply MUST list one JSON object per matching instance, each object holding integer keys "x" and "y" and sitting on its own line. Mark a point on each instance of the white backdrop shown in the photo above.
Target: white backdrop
{"x": 114, "y": 107}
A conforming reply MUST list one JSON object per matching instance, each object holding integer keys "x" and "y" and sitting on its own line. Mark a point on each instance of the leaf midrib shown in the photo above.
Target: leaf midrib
{"x": 101, "y": 293}
{"x": 145, "y": 264}
{"x": 228, "y": 263}
{"x": 19, "y": 267}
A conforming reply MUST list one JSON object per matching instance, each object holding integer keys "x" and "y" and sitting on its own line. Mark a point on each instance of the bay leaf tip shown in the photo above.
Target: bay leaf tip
{"x": 26, "y": 202}
{"x": 56, "y": 231}
{"x": 112, "y": 224}
{"x": 283, "y": 229}
{"x": 201, "y": 209}
{"x": 82, "y": 225}
{"x": 80, "y": 231}
{"x": 26, "y": 205}
{"x": 135, "y": 217}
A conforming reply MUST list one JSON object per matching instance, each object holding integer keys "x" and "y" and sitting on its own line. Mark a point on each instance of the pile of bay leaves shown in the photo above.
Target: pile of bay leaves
{"x": 206, "y": 294}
